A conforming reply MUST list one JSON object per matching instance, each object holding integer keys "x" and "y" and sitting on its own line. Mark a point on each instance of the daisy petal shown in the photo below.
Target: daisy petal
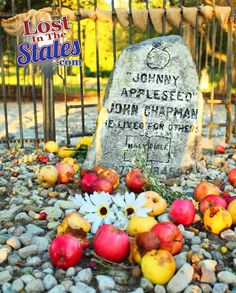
{"x": 91, "y": 217}
{"x": 141, "y": 200}
{"x": 118, "y": 200}
{"x": 130, "y": 198}
{"x": 95, "y": 225}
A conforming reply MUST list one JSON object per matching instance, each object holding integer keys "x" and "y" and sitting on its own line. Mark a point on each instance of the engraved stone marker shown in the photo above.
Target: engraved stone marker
{"x": 152, "y": 103}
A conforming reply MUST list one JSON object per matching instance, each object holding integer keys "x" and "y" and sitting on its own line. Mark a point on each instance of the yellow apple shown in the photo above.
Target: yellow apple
{"x": 71, "y": 162}
{"x": 47, "y": 176}
{"x": 217, "y": 219}
{"x": 138, "y": 225}
{"x": 232, "y": 209}
{"x": 51, "y": 147}
{"x": 155, "y": 202}
{"x": 158, "y": 266}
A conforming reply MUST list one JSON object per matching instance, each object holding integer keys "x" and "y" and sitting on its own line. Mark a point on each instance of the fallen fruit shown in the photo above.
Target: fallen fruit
{"x": 87, "y": 181}
{"x": 72, "y": 224}
{"x": 182, "y": 211}
{"x": 65, "y": 152}
{"x": 43, "y": 158}
{"x": 136, "y": 181}
{"x": 204, "y": 189}
{"x": 143, "y": 243}
{"x": 110, "y": 175}
{"x": 72, "y": 162}
{"x": 212, "y": 201}
{"x": 232, "y": 209}
{"x": 99, "y": 169}
{"x": 102, "y": 185}
{"x": 65, "y": 251}
{"x": 51, "y": 147}
{"x": 47, "y": 176}
{"x": 219, "y": 149}
{"x": 42, "y": 216}
{"x": 158, "y": 266}
{"x": 170, "y": 237}
{"x": 111, "y": 243}
{"x": 232, "y": 176}
{"x": 155, "y": 202}
{"x": 217, "y": 219}
{"x": 224, "y": 249}
{"x": 65, "y": 172}
{"x": 138, "y": 225}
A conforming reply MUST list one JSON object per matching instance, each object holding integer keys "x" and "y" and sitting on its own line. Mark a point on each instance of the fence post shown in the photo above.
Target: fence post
{"x": 48, "y": 101}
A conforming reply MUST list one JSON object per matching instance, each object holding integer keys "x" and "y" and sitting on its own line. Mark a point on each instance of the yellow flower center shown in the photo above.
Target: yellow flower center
{"x": 103, "y": 211}
{"x": 130, "y": 210}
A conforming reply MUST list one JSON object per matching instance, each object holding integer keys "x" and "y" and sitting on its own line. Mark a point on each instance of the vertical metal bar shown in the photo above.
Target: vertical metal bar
{"x": 213, "y": 44}
{"x": 81, "y": 69}
{"x": 182, "y": 16}
{"x": 35, "y": 107}
{"x": 200, "y": 54}
{"x": 97, "y": 60}
{"x": 48, "y": 101}
{"x": 4, "y": 90}
{"x": 197, "y": 36}
{"x": 18, "y": 95}
{"x": 164, "y": 19}
{"x": 148, "y": 20}
{"x": 130, "y": 23}
{"x": 29, "y": 4}
{"x": 113, "y": 30}
{"x": 229, "y": 79}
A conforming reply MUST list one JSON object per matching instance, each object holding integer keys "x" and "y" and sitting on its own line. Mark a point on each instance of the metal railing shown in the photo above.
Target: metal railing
{"x": 212, "y": 47}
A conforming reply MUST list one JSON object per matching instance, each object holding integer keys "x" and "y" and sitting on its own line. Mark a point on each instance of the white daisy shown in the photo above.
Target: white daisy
{"x": 132, "y": 205}
{"x": 96, "y": 209}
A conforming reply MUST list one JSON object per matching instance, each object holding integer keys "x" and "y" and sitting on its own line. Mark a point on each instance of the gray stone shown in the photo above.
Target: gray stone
{"x": 180, "y": 259}
{"x": 70, "y": 272}
{"x": 196, "y": 240}
{"x": 159, "y": 289}
{"x": 23, "y": 217}
{"x": 49, "y": 282}
{"x": 67, "y": 284}
{"x": 14, "y": 242}
{"x": 3, "y": 255}
{"x": 17, "y": 285}
{"x": 58, "y": 289}
{"x": 164, "y": 218}
{"x": 105, "y": 282}
{"x": 84, "y": 275}
{"x": 5, "y": 276}
{"x": 152, "y": 102}
{"x": 27, "y": 278}
{"x": 81, "y": 288}
{"x": 34, "y": 286}
{"x": 34, "y": 230}
{"x": 208, "y": 267}
{"x": 6, "y": 288}
{"x": 193, "y": 289}
{"x": 231, "y": 245}
{"x": 65, "y": 205}
{"x": 227, "y": 278}
{"x": 53, "y": 213}
{"x": 146, "y": 285}
{"x": 25, "y": 238}
{"x": 138, "y": 290}
{"x": 8, "y": 215}
{"x": 27, "y": 251}
{"x": 181, "y": 279}
{"x": 220, "y": 288}
{"x": 206, "y": 288}
{"x": 41, "y": 243}
{"x": 120, "y": 276}
{"x": 33, "y": 261}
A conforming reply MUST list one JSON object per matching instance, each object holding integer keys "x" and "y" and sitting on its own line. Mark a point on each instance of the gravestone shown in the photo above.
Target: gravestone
{"x": 153, "y": 104}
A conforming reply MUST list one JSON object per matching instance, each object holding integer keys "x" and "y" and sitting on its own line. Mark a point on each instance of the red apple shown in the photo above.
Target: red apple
{"x": 204, "y": 189}
{"x": 220, "y": 149}
{"x": 111, "y": 243}
{"x": 102, "y": 185}
{"x": 170, "y": 237}
{"x": 87, "y": 181}
{"x": 136, "y": 181}
{"x": 227, "y": 197}
{"x": 182, "y": 211}
{"x": 212, "y": 201}
{"x": 232, "y": 176}
{"x": 65, "y": 251}
{"x": 65, "y": 172}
